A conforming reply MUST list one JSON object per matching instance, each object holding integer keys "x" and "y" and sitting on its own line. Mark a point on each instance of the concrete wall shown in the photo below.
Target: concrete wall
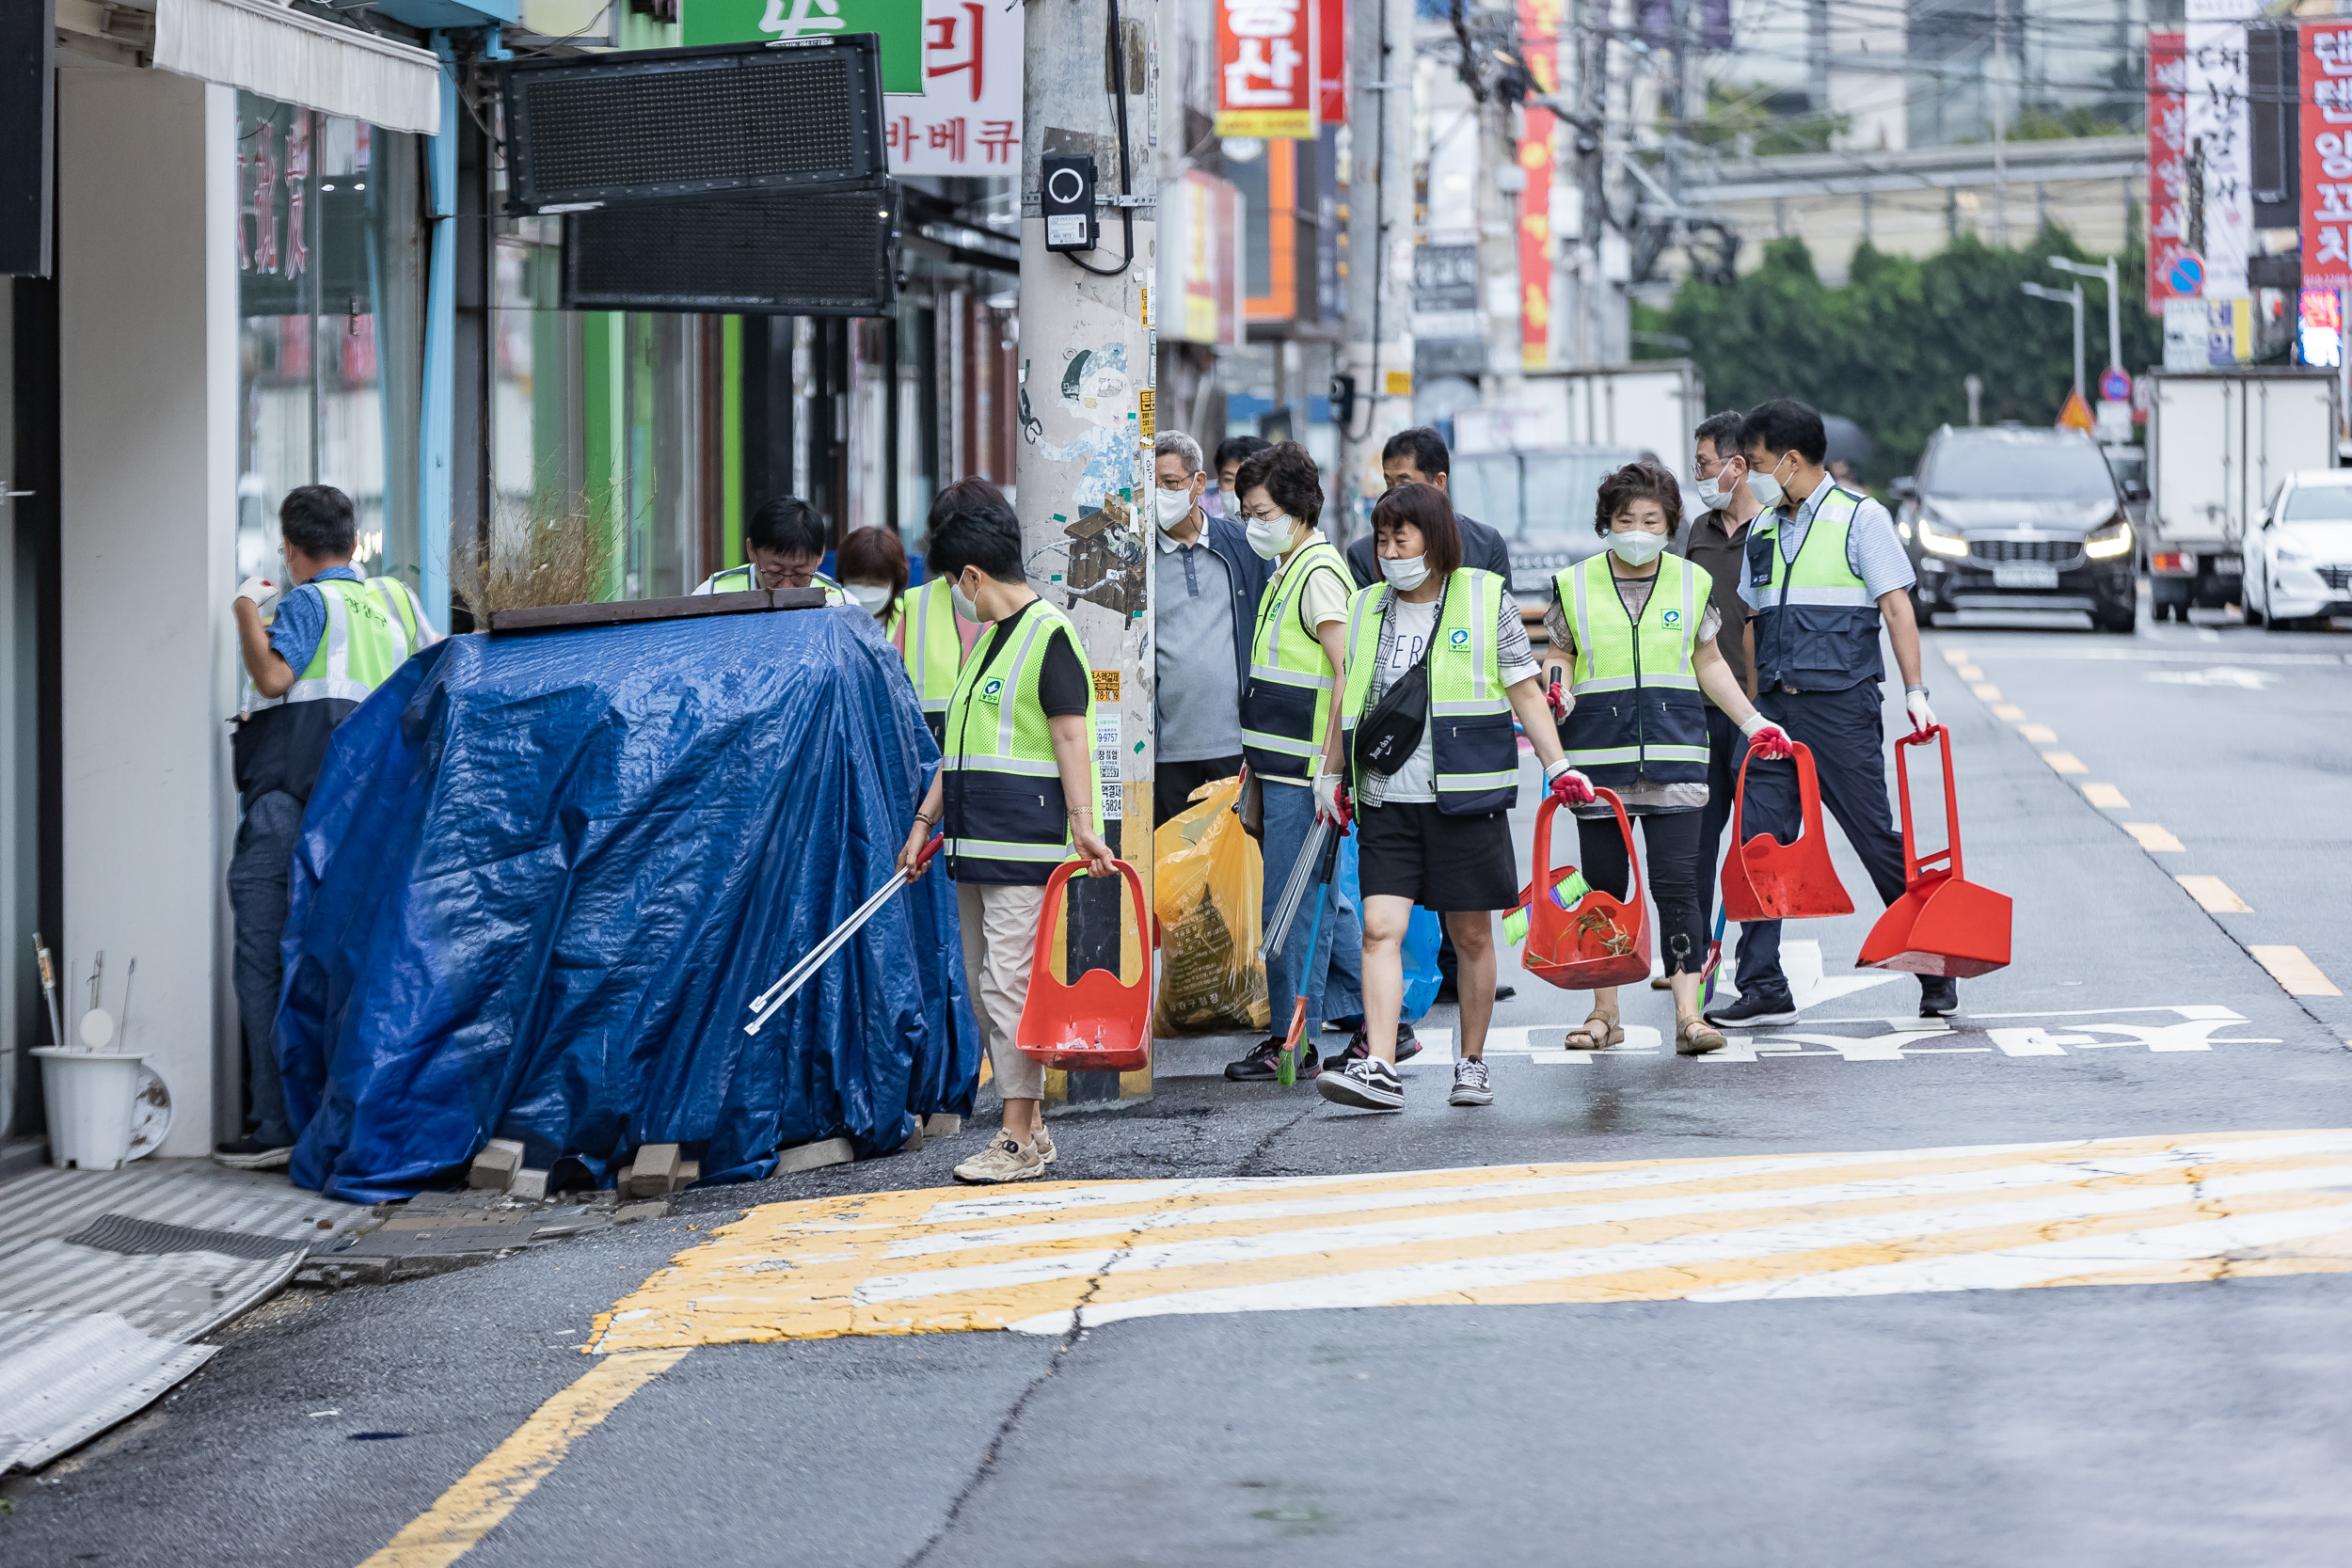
{"x": 147, "y": 274}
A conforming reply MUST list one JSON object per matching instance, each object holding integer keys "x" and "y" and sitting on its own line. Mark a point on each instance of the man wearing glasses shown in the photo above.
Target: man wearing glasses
{"x": 1418, "y": 456}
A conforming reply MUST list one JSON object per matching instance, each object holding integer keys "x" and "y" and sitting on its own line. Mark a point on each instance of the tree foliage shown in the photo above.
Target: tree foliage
{"x": 1892, "y": 349}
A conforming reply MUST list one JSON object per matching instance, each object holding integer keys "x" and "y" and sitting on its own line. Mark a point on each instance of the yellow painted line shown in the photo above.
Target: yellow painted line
{"x": 486, "y": 1493}
{"x": 2064, "y": 762}
{"x": 1039, "y": 1258}
{"x": 1986, "y": 691}
{"x": 2152, "y": 836}
{"x": 2104, "y": 795}
{"x": 2008, "y": 710}
{"x": 2297, "y": 975}
{"x": 1969, "y": 672}
{"x": 1955, "y": 655}
{"x": 2214, "y": 895}
{"x": 2041, "y": 735}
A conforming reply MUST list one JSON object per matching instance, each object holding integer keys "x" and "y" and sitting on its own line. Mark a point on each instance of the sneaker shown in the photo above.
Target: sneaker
{"x": 1939, "y": 996}
{"x": 1044, "y": 1144}
{"x": 1003, "y": 1160}
{"x": 1752, "y": 1012}
{"x": 1263, "y": 1064}
{"x": 1470, "y": 1086}
{"x": 252, "y": 1154}
{"x": 1367, "y": 1082}
{"x": 1408, "y": 1047}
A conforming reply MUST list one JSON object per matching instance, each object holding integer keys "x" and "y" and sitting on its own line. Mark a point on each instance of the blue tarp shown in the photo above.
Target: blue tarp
{"x": 541, "y": 876}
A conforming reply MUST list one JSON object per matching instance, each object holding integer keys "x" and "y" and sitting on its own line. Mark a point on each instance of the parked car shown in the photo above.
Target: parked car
{"x": 2299, "y": 562}
{"x": 2010, "y": 517}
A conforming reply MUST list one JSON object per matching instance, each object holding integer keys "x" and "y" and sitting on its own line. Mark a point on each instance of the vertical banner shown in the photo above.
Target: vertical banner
{"x": 2221, "y": 144}
{"x": 1265, "y": 68}
{"x": 1539, "y": 42}
{"x": 2167, "y": 174}
{"x": 1332, "y": 61}
{"x": 2327, "y": 158}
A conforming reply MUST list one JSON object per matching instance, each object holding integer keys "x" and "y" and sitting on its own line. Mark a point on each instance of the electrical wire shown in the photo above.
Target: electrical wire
{"x": 1115, "y": 35}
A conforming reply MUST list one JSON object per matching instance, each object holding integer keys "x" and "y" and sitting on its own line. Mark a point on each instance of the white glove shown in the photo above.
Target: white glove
{"x": 257, "y": 588}
{"x": 1922, "y": 716}
{"x": 1328, "y": 796}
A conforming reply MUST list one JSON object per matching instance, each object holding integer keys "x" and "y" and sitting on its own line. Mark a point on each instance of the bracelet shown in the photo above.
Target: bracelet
{"x": 1920, "y": 689}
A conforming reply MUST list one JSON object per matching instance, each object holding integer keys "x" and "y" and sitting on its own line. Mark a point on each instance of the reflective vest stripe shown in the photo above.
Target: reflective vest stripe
{"x": 1638, "y": 716}
{"x": 932, "y": 646}
{"x": 1287, "y": 703}
{"x": 1859, "y": 597}
{"x": 1006, "y": 850}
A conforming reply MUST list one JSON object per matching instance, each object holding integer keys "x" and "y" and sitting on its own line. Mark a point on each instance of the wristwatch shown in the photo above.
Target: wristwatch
{"x": 1908, "y": 690}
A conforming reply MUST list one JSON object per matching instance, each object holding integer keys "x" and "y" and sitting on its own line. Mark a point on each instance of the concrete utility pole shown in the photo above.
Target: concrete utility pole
{"x": 1500, "y": 182}
{"x": 1086, "y": 370}
{"x": 1379, "y": 245}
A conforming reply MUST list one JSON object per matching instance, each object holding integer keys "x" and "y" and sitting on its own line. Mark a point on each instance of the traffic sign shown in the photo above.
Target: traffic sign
{"x": 2114, "y": 385}
{"x": 2186, "y": 274}
{"x": 2077, "y": 414}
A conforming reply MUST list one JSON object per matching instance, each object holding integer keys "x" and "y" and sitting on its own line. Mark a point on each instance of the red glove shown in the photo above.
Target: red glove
{"x": 1771, "y": 743}
{"x": 1572, "y": 788}
{"x": 1558, "y": 700}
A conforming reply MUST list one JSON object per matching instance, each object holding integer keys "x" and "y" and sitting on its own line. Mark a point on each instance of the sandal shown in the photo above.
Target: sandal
{"x": 1610, "y": 1031}
{"x": 1697, "y": 1037}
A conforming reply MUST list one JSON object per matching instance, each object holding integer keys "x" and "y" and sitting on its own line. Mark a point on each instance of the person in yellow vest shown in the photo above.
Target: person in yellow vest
{"x": 1636, "y": 632}
{"x": 922, "y": 624}
{"x": 785, "y": 541}
{"x": 336, "y": 636}
{"x": 1434, "y": 778}
{"x": 1016, "y": 794}
{"x": 1300, "y": 638}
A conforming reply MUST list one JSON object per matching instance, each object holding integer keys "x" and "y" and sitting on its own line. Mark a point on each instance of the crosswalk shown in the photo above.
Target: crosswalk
{"x": 1046, "y": 1258}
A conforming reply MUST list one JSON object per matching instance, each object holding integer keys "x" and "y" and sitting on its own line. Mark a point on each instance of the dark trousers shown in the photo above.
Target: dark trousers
{"x": 1847, "y": 732}
{"x": 258, "y": 875}
{"x": 1759, "y": 943}
{"x": 1671, "y": 841}
{"x": 1172, "y": 784}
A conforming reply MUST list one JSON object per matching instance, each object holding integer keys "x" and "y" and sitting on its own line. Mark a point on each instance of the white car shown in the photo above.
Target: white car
{"x": 2298, "y": 564}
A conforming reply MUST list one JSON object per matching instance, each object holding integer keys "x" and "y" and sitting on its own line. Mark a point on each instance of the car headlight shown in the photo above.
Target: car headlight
{"x": 2108, "y": 542}
{"x": 2281, "y": 552}
{"x": 1942, "y": 543}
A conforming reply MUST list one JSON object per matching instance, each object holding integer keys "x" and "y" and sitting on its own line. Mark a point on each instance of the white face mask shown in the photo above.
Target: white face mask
{"x": 965, "y": 608}
{"x": 1171, "y": 508}
{"x": 1271, "y": 540}
{"x": 1637, "y": 549}
{"x": 1766, "y": 489}
{"x": 1716, "y": 492}
{"x": 1405, "y": 574}
{"x": 869, "y": 598}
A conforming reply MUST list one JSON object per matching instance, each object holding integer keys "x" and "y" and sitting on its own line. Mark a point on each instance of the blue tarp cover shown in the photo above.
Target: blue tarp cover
{"x": 541, "y": 876}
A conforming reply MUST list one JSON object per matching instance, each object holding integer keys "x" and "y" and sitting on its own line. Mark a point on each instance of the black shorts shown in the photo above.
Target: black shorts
{"x": 1411, "y": 849}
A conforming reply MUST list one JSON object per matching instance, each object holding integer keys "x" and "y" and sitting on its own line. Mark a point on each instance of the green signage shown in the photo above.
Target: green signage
{"x": 897, "y": 23}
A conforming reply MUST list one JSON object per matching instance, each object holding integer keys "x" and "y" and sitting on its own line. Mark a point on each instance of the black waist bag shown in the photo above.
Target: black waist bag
{"x": 1386, "y": 737}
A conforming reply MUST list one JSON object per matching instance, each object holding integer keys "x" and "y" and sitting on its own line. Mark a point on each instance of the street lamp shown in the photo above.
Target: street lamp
{"x": 2115, "y": 316}
{"x": 2066, "y": 297}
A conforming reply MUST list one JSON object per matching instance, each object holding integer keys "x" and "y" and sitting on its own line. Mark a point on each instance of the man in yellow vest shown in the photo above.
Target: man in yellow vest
{"x": 786, "y": 540}
{"x": 336, "y": 636}
{"x": 1016, "y": 794}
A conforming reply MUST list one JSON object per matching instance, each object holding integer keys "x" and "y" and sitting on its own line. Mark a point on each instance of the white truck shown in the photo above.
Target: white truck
{"x": 2219, "y": 442}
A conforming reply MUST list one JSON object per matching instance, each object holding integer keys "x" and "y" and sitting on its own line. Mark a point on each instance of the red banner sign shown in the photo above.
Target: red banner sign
{"x": 1332, "y": 60}
{"x": 1539, "y": 35}
{"x": 2326, "y": 132}
{"x": 1265, "y": 68}
{"x": 2169, "y": 258}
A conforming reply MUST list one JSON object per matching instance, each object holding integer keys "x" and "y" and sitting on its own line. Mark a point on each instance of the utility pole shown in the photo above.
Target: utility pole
{"x": 1379, "y": 245}
{"x": 1085, "y": 372}
{"x": 2073, "y": 296}
{"x": 1500, "y": 180}
{"x": 2106, "y": 274}
{"x": 2000, "y": 126}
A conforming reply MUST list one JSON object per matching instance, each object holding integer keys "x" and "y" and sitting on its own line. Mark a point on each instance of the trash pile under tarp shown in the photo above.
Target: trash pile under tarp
{"x": 542, "y": 875}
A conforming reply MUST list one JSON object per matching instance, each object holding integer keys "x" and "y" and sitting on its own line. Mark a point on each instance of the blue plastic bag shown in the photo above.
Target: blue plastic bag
{"x": 1423, "y": 935}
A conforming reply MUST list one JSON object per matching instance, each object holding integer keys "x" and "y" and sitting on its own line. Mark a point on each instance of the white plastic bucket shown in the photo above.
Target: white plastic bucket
{"x": 89, "y": 1096}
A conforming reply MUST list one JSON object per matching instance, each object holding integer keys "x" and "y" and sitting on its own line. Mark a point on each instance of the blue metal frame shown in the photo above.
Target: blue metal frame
{"x": 437, "y": 431}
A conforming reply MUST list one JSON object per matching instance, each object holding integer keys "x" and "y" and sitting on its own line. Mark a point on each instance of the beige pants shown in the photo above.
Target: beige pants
{"x": 999, "y": 938}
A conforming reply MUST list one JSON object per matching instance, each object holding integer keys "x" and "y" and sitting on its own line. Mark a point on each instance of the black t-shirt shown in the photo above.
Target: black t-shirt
{"x": 1062, "y": 680}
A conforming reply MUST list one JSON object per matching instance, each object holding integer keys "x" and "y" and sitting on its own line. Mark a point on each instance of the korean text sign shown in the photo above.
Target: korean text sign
{"x": 1265, "y": 73}
{"x": 2327, "y": 160}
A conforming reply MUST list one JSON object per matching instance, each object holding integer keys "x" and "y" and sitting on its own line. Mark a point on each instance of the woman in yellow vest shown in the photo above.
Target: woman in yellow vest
{"x": 922, "y": 625}
{"x": 1016, "y": 794}
{"x": 1635, "y": 630}
{"x": 1434, "y": 798}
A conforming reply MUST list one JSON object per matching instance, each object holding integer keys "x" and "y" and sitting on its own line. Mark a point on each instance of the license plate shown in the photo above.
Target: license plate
{"x": 2028, "y": 575}
{"x": 2230, "y": 566}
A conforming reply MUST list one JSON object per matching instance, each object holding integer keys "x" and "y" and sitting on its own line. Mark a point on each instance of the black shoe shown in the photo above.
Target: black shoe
{"x": 1753, "y": 1012}
{"x": 1504, "y": 993}
{"x": 1939, "y": 996}
{"x": 250, "y": 1153}
{"x": 1368, "y": 1083}
{"x": 1347, "y": 1025}
{"x": 1360, "y": 1047}
{"x": 1264, "y": 1065}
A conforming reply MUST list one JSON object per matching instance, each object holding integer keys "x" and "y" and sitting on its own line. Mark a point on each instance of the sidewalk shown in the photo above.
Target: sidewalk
{"x": 108, "y": 1278}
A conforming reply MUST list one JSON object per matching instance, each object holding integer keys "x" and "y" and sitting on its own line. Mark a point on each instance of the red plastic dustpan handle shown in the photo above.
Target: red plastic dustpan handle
{"x": 1808, "y": 794}
{"x": 1915, "y": 865}
{"x": 1042, "y": 957}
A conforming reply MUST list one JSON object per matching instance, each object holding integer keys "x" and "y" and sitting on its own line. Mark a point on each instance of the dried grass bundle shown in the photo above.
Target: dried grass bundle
{"x": 542, "y": 554}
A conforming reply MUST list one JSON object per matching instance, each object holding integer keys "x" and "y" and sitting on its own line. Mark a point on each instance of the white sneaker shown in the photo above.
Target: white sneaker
{"x": 1003, "y": 1160}
{"x": 1044, "y": 1144}
{"x": 1367, "y": 1082}
{"x": 1470, "y": 1086}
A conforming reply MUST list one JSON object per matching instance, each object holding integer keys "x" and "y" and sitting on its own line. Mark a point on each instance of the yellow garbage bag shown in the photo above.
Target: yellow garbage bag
{"x": 1207, "y": 885}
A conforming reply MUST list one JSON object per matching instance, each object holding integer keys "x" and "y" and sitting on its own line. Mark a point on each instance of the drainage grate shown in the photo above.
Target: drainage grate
{"x": 140, "y": 1238}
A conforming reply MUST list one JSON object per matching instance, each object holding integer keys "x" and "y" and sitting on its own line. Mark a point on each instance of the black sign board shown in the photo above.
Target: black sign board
{"x": 813, "y": 253}
{"x": 28, "y": 34}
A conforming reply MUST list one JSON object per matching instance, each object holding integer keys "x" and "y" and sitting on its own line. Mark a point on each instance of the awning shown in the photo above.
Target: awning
{"x": 295, "y": 59}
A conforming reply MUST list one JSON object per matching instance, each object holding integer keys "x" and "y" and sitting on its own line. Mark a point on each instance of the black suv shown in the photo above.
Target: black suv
{"x": 2012, "y": 518}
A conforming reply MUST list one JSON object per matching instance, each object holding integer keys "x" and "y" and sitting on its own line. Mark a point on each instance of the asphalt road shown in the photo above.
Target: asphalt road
{"x": 1706, "y": 1407}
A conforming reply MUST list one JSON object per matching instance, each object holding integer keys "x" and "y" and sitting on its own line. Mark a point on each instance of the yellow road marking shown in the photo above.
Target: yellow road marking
{"x": 2297, "y": 975}
{"x": 1037, "y": 1257}
{"x": 2008, "y": 710}
{"x": 2104, "y": 795}
{"x": 2041, "y": 735}
{"x": 1955, "y": 655}
{"x": 2064, "y": 762}
{"x": 2152, "y": 836}
{"x": 2214, "y": 896}
{"x": 486, "y": 1493}
{"x": 1969, "y": 672}
{"x": 1986, "y": 691}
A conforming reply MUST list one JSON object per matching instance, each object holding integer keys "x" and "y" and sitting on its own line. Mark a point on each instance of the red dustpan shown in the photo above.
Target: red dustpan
{"x": 1094, "y": 1023}
{"x": 1943, "y": 923}
{"x": 1603, "y": 940}
{"x": 1766, "y": 880}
